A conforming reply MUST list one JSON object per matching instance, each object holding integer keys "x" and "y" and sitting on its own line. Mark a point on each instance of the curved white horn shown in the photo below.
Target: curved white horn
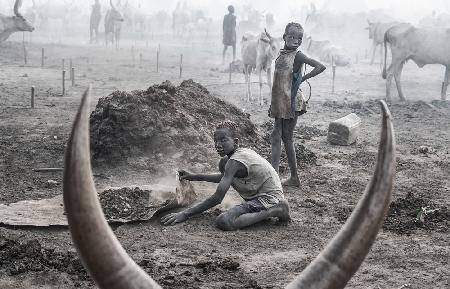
{"x": 342, "y": 257}
{"x": 101, "y": 252}
{"x": 17, "y": 5}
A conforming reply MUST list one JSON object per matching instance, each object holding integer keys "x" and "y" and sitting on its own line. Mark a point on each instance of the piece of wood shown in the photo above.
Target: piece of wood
{"x": 344, "y": 131}
{"x": 32, "y": 97}
{"x": 45, "y": 170}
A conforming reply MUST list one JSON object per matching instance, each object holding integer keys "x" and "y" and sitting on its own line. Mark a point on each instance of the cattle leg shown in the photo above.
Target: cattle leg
{"x": 260, "y": 86}
{"x": 445, "y": 83}
{"x": 247, "y": 71}
{"x": 374, "y": 48}
{"x": 398, "y": 80}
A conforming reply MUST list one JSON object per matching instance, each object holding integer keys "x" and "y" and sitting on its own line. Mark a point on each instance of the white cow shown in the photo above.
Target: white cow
{"x": 421, "y": 45}
{"x": 327, "y": 52}
{"x": 258, "y": 52}
{"x": 11, "y": 24}
{"x": 376, "y": 33}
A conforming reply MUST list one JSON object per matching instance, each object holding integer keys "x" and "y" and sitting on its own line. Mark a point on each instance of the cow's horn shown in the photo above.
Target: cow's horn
{"x": 101, "y": 252}
{"x": 17, "y": 5}
{"x": 344, "y": 254}
{"x": 267, "y": 33}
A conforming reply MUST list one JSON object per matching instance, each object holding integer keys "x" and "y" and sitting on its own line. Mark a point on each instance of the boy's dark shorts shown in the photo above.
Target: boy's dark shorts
{"x": 259, "y": 204}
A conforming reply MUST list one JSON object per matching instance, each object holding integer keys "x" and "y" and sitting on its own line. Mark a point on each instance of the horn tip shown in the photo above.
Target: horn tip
{"x": 385, "y": 109}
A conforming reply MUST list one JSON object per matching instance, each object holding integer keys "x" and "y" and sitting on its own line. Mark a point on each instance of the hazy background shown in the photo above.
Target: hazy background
{"x": 407, "y": 10}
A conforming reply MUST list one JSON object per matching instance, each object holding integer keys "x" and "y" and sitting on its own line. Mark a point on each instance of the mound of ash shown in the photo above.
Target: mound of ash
{"x": 163, "y": 120}
{"x": 407, "y": 214}
{"x": 125, "y": 203}
{"x": 17, "y": 258}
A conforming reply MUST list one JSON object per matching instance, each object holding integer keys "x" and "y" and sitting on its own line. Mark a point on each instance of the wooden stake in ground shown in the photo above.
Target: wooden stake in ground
{"x": 32, "y": 97}
{"x": 229, "y": 75}
{"x": 333, "y": 64}
{"x": 140, "y": 59}
{"x": 70, "y": 68}
{"x": 63, "y": 82}
{"x": 42, "y": 57}
{"x": 24, "y": 49}
{"x": 72, "y": 75}
{"x": 181, "y": 64}
{"x": 157, "y": 60}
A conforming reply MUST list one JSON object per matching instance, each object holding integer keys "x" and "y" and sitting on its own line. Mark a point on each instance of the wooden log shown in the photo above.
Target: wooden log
{"x": 344, "y": 131}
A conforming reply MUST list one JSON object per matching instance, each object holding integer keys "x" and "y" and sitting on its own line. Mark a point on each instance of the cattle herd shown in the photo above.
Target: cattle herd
{"x": 373, "y": 47}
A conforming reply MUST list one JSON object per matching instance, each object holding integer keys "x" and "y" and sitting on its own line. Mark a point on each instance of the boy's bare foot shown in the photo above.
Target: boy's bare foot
{"x": 291, "y": 182}
{"x": 281, "y": 211}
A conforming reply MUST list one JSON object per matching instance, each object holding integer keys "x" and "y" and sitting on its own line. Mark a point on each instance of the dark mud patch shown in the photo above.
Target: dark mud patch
{"x": 216, "y": 271}
{"x": 408, "y": 214}
{"x": 304, "y": 155}
{"x": 310, "y": 132}
{"x": 30, "y": 256}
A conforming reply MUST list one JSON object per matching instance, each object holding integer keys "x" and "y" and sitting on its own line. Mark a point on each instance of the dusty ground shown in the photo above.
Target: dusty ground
{"x": 195, "y": 254}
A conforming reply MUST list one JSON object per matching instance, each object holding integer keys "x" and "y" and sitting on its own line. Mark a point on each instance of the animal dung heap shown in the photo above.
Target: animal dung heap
{"x": 164, "y": 121}
{"x": 345, "y": 130}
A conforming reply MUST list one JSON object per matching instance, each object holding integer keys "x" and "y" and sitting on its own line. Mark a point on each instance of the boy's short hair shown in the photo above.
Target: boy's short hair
{"x": 231, "y": 126}
{"x": 294, "y": 24}
{"x": 231, "y": 8}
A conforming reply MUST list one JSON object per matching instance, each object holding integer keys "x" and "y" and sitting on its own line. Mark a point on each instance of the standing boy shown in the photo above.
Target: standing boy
{"x": 287, "y": 104}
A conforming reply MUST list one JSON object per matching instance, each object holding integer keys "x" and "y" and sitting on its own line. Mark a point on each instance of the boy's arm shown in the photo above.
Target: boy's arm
{"x": 230, "y": 170}
{"x": 301, "y": 58}
{"x": 212, "y": 178}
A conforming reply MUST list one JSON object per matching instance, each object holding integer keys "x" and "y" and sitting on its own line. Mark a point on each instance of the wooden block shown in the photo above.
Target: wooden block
{"x": 345, "y": 130}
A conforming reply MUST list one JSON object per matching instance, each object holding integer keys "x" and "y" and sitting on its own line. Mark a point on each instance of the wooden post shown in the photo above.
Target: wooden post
{"x": 157, "y": 60}
{"x": 229, "y": 73}
{"x": 42, "y": 57}
{"x": 32, "y": 97}
{"x": 24, "y": 49}
{"x": 334, "y": 74}
{"x": 181, "y": 64}
{"x": 140, "y": 59}
{"x": 72, "y": 75}
{"x": 132, "y": 54}
{"x": 63, "y": 82}
{"x": 70, "y": 68}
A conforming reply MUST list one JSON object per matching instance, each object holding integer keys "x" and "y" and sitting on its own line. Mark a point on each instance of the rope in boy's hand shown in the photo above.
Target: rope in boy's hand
{"x": 309, "y": 84}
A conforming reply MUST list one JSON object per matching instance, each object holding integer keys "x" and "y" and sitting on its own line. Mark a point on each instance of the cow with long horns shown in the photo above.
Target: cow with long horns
{"x": 113, "y": 22}
{"x": 11, "y": 24}
{"x": 112, "y": 268}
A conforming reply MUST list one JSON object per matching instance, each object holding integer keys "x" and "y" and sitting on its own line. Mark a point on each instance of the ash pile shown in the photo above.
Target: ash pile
{"x": 165, "y": 124}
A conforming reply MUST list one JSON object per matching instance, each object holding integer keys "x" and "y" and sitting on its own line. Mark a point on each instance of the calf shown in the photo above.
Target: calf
{"x": 258, "y": 52}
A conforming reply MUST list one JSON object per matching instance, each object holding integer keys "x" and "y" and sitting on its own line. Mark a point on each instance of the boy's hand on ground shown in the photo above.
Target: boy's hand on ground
{"x": 174, "y": 218}
{"x": 185, "y": 175}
